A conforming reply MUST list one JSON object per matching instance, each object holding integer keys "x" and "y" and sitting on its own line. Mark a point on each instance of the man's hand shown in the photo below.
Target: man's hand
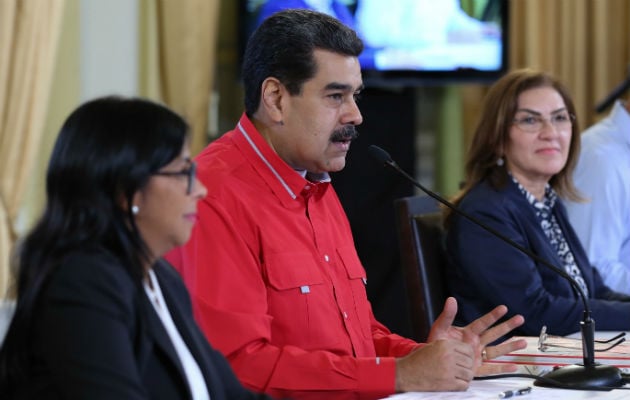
{"x": 443, "y": 365}
{"x": 479, "y": 334}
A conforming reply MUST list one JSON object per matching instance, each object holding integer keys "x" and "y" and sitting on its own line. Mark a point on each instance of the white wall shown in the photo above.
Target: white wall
{"x": 108, "y": 48}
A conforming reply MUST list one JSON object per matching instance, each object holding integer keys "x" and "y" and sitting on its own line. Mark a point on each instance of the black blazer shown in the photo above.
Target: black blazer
{"x": 485, "y": 271}
{"x": 97, "y": 336}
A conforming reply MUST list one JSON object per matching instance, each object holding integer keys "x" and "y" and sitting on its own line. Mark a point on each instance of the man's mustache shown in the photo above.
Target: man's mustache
{"x": 347, "y": 132}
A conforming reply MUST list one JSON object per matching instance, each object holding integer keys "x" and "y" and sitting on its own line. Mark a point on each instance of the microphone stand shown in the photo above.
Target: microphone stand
{"x": 588, "y": 376}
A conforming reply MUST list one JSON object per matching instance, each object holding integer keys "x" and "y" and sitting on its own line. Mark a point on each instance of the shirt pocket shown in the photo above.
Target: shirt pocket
{"x": 301, "y": 302}
{"x": 357, "y": 279}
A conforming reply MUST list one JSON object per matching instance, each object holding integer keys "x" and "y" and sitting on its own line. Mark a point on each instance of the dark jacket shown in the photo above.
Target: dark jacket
{"x": 485, "y": 272}
{"x": 97, "y": 336}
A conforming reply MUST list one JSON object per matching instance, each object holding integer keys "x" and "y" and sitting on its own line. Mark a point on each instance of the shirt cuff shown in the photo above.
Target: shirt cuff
{"x": 377, "y": 376}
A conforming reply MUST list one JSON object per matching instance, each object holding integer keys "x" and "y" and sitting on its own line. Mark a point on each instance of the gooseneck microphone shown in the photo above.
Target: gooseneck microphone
{"x": 588, "y": 376}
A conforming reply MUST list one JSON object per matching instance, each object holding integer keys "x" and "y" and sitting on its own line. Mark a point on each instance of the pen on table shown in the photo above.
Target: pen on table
{"x": 518, "y": 392}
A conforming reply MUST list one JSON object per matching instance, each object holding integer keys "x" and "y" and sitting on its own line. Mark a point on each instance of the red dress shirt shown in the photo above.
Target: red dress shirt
{"x": 276, "y": 281}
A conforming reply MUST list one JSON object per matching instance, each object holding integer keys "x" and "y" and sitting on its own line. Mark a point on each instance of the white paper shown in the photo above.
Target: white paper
{"x": 490, "y": 389}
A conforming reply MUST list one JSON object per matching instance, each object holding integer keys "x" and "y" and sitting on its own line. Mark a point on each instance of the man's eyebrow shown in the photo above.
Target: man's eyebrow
{"x": 342, "y": 86}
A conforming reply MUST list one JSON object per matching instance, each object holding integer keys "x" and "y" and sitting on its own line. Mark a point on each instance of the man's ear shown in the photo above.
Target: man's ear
{"x": 272, "y": 93}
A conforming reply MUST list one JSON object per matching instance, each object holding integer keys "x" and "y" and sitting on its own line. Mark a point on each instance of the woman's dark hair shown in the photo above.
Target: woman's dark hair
{"x": 493, "y": 131}
{"x": 282, "y": 47}
{"x": 106, "y": 151}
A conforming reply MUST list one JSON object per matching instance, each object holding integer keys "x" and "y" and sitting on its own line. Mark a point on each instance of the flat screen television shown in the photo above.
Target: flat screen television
{"x": 412, "y": 42}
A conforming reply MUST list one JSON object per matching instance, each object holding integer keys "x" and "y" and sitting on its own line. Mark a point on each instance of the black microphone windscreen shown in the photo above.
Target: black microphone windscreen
{"x": 380, "y": 155}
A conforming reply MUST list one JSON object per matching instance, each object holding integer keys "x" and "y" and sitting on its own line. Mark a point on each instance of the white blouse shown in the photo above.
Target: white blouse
{"x": 196, "y": 381}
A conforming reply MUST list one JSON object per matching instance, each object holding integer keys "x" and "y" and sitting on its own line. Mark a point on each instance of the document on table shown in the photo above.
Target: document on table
{"x": 490, "y": 389}
{"x": 560, "y": 351}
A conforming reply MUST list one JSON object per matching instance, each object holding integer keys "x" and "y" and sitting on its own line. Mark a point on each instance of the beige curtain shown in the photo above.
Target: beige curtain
{"x": 178, "y": 64}
{"x": 586, "y": 43}
{"x": 29, "y": 31}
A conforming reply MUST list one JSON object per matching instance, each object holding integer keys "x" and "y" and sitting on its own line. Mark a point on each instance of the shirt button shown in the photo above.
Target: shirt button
{"x": 345, "y": 315}
{"x": 326, "y": 257}
{"x": 307, "y": 187}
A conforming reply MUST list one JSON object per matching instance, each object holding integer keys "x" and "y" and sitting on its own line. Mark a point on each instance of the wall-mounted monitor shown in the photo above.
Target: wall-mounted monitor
{"x": 412, "y": 42}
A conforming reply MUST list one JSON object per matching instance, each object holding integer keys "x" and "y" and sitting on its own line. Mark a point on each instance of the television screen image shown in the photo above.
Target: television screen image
{"x": 413, "y": 41}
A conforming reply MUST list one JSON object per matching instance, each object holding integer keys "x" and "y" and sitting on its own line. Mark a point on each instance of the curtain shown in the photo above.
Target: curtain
{"x": 179, "y": 57}
{"x": 29, "y": 32}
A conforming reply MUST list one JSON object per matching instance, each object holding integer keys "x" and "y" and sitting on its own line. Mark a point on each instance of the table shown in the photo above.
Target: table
{"x": 490, "y": 389}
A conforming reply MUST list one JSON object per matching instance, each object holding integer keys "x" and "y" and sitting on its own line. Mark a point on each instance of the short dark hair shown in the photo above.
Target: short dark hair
{"x": 106, "y": 151}
{"x": 282, "y": 47}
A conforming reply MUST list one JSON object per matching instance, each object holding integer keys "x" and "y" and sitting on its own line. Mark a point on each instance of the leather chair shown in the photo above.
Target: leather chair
{"x": 423, "y": 257}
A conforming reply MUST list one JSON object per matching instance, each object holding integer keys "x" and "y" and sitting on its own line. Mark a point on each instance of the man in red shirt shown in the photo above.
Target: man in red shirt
{"x": 276, "y": 281}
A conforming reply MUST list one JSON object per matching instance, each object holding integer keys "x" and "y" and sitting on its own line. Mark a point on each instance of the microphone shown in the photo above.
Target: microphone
{"x": 618, "y": 91}
{"x": 590, "y": 375}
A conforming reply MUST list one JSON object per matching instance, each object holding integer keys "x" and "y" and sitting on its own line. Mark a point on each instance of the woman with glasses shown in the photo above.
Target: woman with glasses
{"x": 518, "y": 171}
{"x": 99, "y": 314}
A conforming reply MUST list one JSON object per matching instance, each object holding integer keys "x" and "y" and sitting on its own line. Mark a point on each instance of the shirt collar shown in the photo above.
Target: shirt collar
{"x": 548, "y": 201}
{"x": 620, "y": 118}
{"x": 312, "y": 177}
{"x": 286, "y": 182}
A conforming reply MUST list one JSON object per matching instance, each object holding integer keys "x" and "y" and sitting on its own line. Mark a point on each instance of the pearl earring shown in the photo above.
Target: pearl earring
{"x": 500, "y": 161}
{"x": 135, "y": 209}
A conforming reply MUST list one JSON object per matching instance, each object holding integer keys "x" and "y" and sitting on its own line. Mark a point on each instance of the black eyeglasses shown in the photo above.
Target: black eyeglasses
{"x": 190, "y": 173}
